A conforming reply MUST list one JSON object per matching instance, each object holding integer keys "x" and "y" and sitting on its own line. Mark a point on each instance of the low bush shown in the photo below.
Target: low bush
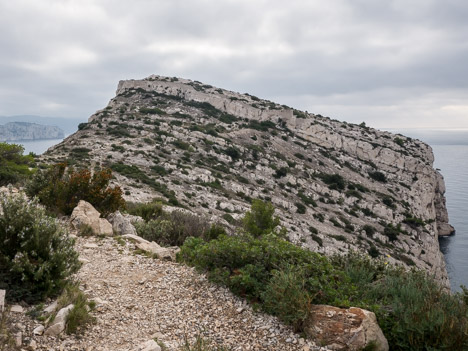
{"x": 60, "y": 188}
{"x": 36, "y": 255}
{"x": 378, "y": 176}
{"x": 334, "y": 181}
{"x": 147, "y": 211}
{"x": 171, "y": 229}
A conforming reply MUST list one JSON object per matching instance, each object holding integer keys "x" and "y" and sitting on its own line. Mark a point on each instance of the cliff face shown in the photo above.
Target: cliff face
{"x": 336, "y": 186}
{"x": 15, "y": 131}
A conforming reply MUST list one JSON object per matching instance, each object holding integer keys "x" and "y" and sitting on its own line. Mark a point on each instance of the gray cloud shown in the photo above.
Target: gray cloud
{"x": 390, "y": 63}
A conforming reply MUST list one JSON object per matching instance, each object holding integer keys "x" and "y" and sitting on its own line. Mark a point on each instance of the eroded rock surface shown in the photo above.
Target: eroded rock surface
{"x": 345, "y": 329}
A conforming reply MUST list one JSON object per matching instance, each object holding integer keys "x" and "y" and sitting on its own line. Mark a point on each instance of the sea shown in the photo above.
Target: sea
{"x": 450, "y": 149}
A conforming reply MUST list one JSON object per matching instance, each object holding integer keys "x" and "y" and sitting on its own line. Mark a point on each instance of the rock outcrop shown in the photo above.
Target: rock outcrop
{"x": 22, "y": 131}
{"x": 121, "y": 224}
{"x": 341, "y": 329}
{"x": 163, "y": 253}
{"x": 149, "y": 345}
{"x": 60, "y": 321}
{"x": 336, "y": 186}
{"x": 85, "y": 214}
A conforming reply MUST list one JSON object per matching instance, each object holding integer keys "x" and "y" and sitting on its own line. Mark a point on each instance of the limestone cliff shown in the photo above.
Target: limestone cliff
{"x": 15, "y": 131}
{"x": 336, "y": 186}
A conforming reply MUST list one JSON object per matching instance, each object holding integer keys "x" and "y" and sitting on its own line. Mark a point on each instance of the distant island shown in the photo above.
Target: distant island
{"x": 20, "y": 131}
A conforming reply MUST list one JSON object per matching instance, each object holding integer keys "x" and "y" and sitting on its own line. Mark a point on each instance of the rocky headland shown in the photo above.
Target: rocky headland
{"x": 336, "y": 186}
{"x": 22, "y": 131}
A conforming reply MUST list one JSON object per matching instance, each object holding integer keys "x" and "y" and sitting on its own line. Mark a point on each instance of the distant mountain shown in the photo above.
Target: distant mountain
{"x": 20, "y": 131}
{"x": 68, "y": 125}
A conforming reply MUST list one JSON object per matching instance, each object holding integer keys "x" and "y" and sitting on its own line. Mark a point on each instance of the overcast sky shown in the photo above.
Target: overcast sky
{"x": 390, "y": 63}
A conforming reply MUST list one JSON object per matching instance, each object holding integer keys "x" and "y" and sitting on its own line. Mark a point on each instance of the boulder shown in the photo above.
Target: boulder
{"x": 60, "y": 320}
{"x": 85, "y": 214}
{"x": 2, "y": 300}
{"x": 149, "y": 345}
{"x": 344, "y": 329}
{"x": 51, "y": 308}
{"x": 121, "y": 224}
{"x": 163, "y": 253}
{"x": 39, "y": 330}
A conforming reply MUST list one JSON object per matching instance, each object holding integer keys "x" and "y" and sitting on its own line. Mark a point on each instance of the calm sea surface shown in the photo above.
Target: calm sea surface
{"x": 451, "y": 157}
{"x": 37, "y": 146}
{"x": 453, "y": 163}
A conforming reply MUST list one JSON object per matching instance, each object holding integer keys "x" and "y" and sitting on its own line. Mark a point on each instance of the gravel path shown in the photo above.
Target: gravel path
{"x": 140, "y": 298}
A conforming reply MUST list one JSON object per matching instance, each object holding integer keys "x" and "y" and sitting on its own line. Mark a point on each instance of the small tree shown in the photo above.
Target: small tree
{"x": 260, "y": 220}
{"x": 13, "y": 165}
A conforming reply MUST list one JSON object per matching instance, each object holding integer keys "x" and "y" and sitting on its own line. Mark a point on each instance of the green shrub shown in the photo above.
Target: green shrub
{"x": 14, "y": 167}
{"x": 370, "y": 230}
{"x": 286, "y": 296}
{"x": 399, "y": 141}
{"x": 171, "y": 229}
{"x": 301, "y": 209}
{"x": 36, "y": 255}
{"x": 228, "y": 218}
{"x": 281, "y": 172}
{"x": 147, "y": 211}
{"x": 423, "y": 315}
{"x": 334, "y": 181}
{"x": 60, "y": 188}
{"x": 259, "y": 220}
{"x": 82, "y": 126}
{"x": 378, "y": 176}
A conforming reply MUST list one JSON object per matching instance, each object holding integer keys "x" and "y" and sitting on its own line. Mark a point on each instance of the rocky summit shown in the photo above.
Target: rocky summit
{"x": 336, "y": 186}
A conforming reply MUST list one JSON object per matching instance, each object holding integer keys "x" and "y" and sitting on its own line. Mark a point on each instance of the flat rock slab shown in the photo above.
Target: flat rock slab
{"x": 16, "y": 309}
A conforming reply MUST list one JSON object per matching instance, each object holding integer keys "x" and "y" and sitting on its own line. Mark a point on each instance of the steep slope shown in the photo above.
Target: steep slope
{"x": 336, "y": 186}
{"x": 14, "y": 131}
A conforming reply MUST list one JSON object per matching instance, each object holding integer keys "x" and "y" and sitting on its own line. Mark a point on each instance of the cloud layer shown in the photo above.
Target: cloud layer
{"x": 389, "y": 63}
